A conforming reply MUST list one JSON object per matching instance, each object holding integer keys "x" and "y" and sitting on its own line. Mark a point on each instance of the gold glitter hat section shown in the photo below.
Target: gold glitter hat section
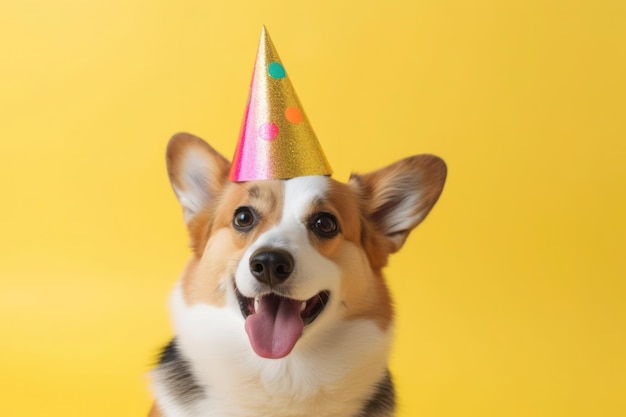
{"x": 276, "y": 139}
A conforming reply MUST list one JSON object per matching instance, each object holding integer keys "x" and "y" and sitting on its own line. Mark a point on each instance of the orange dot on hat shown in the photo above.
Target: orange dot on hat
{"x": 293, "y": 114}
{"x": 268, "y": 131}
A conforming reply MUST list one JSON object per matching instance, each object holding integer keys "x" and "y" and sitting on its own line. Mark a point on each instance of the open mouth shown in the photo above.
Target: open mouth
{"x": 309, "y": 309}
{"x": 275, "y": 323}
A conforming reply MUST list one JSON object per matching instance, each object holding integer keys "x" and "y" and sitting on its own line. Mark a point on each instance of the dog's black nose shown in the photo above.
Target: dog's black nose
{"x": 271, "y": 267}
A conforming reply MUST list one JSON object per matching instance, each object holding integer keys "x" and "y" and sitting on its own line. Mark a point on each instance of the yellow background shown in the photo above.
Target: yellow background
{"x": 510, "y": 296}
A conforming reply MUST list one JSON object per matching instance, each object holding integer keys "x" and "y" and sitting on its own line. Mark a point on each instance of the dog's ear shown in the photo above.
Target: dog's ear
{"x": 197, "y": 172}
{"x": 398, "y": 197}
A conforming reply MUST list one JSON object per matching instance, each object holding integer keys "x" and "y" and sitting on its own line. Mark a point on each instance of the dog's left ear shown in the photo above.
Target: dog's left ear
{"x": 398, "y": 197}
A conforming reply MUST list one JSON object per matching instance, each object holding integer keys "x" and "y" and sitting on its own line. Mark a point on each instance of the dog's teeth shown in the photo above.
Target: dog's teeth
{"x": 303, "y": 306}
{"x": 257, "y": 301}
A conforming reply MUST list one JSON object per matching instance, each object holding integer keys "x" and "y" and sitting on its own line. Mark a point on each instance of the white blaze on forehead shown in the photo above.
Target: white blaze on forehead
{"x": 300, "y": 193}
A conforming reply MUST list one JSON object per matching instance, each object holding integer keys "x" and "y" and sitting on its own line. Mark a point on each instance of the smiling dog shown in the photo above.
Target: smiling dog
{"x": 283, "y": 309}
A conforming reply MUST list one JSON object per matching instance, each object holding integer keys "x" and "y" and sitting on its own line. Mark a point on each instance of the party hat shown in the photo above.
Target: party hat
{"x": 276, "y": 139}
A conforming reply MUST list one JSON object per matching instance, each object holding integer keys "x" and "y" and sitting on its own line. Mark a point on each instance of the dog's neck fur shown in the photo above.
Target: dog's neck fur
{"x": 342, "y": 376}
{"x": 188, "y": 398}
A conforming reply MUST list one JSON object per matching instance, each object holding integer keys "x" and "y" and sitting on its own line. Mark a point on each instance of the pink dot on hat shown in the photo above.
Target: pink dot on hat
{"x": 268, "y": 131}
{"x": 293, "y": 114}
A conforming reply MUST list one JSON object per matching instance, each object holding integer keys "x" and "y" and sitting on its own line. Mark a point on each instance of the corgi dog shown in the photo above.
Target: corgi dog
{"x": 283, "y": 310}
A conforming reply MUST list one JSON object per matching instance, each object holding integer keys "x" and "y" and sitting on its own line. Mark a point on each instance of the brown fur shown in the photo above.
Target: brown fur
{"x": 364, "y": 293}
{"x": 380, "y": 193}
{"x": 219, "y": 247}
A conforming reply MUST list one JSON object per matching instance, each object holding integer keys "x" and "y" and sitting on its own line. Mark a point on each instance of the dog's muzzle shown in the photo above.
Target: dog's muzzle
{"x": 273, "y": 321}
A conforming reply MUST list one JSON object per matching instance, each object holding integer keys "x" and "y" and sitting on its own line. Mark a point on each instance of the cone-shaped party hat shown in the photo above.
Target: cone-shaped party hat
{"x": 276, "y": 139}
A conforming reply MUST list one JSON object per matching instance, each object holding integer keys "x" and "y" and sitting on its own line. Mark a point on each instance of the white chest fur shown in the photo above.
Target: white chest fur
{"x": 331, "y": 372}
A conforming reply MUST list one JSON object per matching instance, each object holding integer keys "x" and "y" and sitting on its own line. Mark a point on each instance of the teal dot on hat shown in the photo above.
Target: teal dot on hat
{"x": 276, "y": 70}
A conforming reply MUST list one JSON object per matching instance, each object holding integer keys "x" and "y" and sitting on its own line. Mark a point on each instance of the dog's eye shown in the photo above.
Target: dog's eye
{"x": 244, "y": 219}
{"x": 325, "y": 225}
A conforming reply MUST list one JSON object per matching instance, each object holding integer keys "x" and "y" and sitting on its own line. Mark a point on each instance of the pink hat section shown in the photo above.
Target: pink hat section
{"x": 268, "y": 131}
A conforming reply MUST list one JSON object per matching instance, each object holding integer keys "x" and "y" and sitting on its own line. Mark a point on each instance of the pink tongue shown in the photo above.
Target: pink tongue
{"x": 275, "y": 327}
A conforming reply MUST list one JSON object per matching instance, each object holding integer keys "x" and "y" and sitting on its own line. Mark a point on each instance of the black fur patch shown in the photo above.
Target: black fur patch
{"x": 383, "y": 401}
{"x": 175, "y": 374}
{"x": 169, "y": 353}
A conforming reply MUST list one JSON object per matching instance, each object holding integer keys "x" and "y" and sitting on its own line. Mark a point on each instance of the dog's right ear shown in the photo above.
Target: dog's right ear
{"x": 197, "y": 172}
